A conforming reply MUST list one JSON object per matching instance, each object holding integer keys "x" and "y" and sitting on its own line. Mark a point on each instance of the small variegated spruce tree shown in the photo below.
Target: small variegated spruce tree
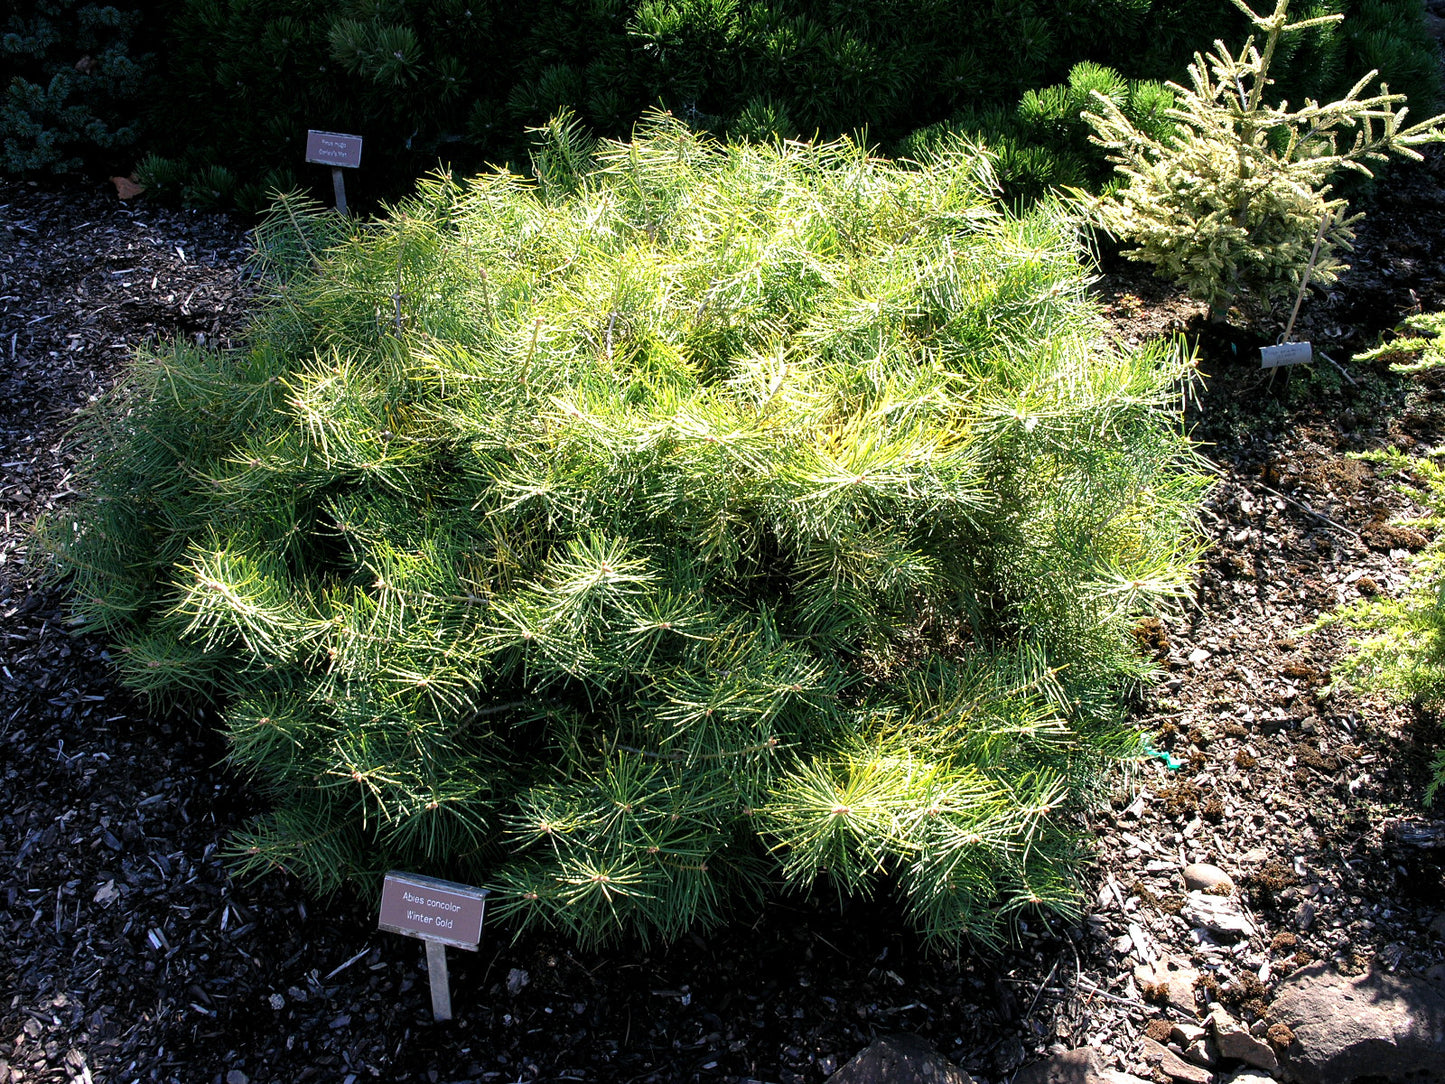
{"x": 1229, "y": 203}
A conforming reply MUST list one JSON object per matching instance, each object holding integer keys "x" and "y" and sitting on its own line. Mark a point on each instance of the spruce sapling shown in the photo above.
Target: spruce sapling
{"x": 1230, "y": 203}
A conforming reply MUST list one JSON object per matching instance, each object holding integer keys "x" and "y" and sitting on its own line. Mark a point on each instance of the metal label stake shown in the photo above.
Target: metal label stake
{"x": 441, "y": 989}
{"x": 441, "y": 913}
{"x": 337, "y": 150}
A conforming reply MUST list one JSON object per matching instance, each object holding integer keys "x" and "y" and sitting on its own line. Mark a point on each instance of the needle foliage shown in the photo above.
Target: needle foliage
{"x": 1398, "y": 646}
{"x": 1043, "y": 145}
{"x": 681, "y": 524}
{"x": 1235, "y": 199}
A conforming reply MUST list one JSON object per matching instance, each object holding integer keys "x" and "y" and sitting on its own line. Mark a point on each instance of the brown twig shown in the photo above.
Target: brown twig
{"x": 1301, "y": 505}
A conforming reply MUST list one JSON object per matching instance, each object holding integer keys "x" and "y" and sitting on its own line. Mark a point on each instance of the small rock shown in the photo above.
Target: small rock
{"x": 1304, "y": 915}
{"x": 278, "y": 1001}
{"x": 516, "y": 979}
{"x": 1218, "y": 914}
{"x": 1081, "y": 1066}
{"x": 1234, "y": 1041}
{"x": 1379, "y": 1025}
{"x": 1172, "y": 1065}
{"x": 901, "y": 1059}
{"x": 1184, "y": 1034}
{"x": 1142, "y": 947}
{"x": 1010, "y": 1054}
{"x": 1201, "y": 876}
{"x": 1250, "y": 1076}
{"x": 1437, "y": 927}
{"x": 235, "y": 1076}
{"x": 1201, "y": 1052}
{"x": 1199, "y": 656}
{"x": 1416, "y": 832}
{"x": 1177, "y": 978}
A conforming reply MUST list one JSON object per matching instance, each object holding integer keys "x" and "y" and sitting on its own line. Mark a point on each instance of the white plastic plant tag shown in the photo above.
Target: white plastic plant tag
{"x": 1272, "y": 357}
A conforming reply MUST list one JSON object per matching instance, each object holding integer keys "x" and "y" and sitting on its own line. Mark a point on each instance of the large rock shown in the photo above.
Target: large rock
{"x": 1081, "y": 1066}
{"x": 900, "y": 1059}
{"x": 1381, "y": 1026}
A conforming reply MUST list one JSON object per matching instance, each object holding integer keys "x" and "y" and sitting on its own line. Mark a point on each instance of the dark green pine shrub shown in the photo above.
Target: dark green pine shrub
{"x": 1043, "y": 145}
{"x": 462, "y": 80}
{"x": 74, "y": 84}
{"x": 245, "y": 82}
{"x": 686, "y": 525}
{"x": 836, "y": 66}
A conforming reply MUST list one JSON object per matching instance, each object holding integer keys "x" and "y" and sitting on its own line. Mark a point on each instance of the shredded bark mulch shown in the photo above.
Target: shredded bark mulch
{"x": 133, "y": 956}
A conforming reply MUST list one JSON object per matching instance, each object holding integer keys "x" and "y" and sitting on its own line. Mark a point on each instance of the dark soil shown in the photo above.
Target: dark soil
{"x": 133, "y": 956}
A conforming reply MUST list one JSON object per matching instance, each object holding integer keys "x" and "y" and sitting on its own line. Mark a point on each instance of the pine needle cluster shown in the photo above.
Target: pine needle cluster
{"x": 679, "y": 524}
{"x": 1230, "y": 204}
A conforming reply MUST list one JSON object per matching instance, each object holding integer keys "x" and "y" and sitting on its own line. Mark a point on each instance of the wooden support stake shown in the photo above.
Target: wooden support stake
{"x": 441, "y": 991}
{"x": 1285, "y": 352}
{"x": 1309, "y": 270}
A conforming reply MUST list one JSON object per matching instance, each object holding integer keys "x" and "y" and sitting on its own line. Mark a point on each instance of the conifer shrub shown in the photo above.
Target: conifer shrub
{"x": 462, "y": 80}
{"x": 420, "y": 80}
{"x": 1043, "y": 144}
{"x": 73, "y": 85}
{"x": 1399, "y": 648}
{"x": 682, "y": 524}
{"x": 1237, "y": 203}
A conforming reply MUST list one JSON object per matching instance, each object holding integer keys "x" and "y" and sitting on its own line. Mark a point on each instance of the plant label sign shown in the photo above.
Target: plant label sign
{"x": 441, "y": 913}
{"x": 1272, "y": 357}
{"x": 433, "y": 910}
{"x": 334, "y": 149}
{"x": 337, "y": 150}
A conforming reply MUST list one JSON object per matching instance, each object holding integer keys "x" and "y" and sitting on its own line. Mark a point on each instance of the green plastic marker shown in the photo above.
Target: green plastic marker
{"x": 1170, "y": 760}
